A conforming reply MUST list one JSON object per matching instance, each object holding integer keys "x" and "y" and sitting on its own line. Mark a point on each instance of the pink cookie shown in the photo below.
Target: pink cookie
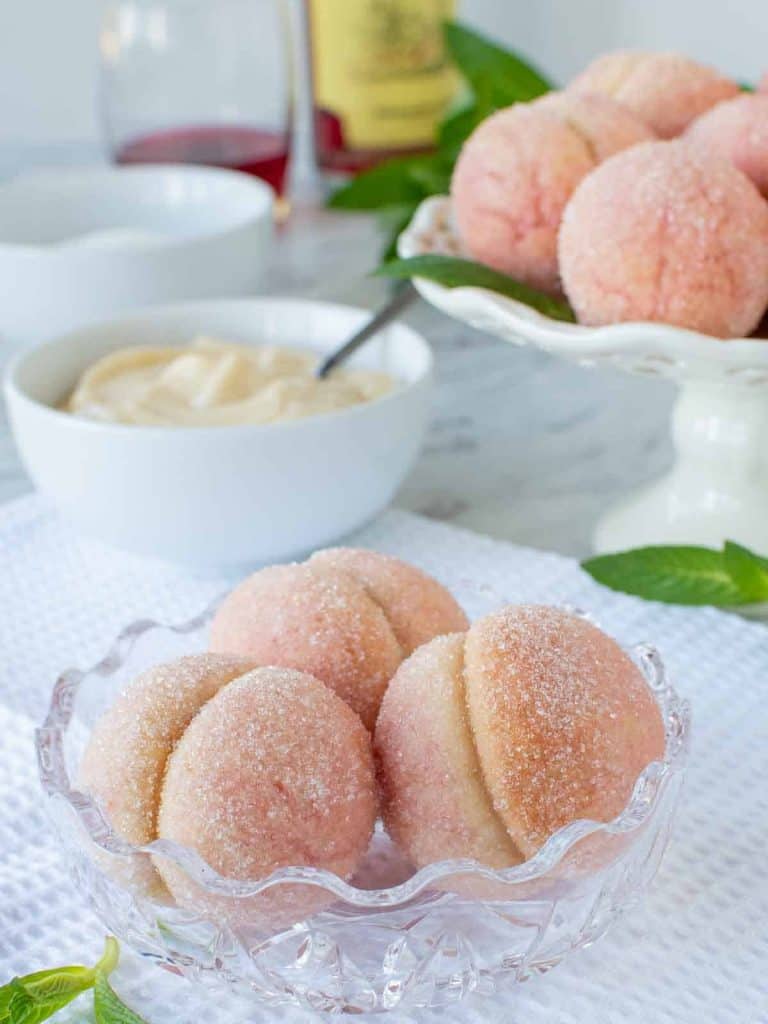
{"x": 124, "y": 762}
{"x": 517, "y": 171}
{"x": 606, "y": 126}
{"x": 667, "y": 232}
{"x": 490, "y": 741}
{"x": 738, "y": 131}
{"x": 273, "y": 771}
{"x": 347, "y": 617}
{"x": 436, "y": 805}
{"x": 667, "y": 90}
{"x": 417, "y": 607}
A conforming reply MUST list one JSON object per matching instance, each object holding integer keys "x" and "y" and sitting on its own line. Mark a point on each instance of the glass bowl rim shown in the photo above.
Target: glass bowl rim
{"x": 55, "y": 780}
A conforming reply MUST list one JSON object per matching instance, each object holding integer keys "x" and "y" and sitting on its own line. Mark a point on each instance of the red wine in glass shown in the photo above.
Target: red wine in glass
{"x": 252, "y": 150}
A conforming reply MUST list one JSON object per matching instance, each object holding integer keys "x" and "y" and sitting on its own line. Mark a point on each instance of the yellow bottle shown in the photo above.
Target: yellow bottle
{"x": 381, "y": 78}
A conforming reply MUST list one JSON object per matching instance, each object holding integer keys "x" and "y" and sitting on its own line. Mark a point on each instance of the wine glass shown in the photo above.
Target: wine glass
{"x": 198, "y": 81}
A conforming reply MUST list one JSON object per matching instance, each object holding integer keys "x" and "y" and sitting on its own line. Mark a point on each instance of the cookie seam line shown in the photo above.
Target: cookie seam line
{"x": 467, "y": 716}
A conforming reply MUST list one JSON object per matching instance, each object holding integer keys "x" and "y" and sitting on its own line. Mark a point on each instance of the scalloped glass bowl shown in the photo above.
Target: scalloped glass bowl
{"x": 392, "y": 937}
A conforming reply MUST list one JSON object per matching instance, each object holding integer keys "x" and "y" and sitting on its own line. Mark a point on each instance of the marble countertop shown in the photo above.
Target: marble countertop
{"x": 522, "y": 446}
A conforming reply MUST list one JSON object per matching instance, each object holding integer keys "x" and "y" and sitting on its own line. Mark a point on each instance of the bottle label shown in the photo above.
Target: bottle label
{"x": 380, "y": 67}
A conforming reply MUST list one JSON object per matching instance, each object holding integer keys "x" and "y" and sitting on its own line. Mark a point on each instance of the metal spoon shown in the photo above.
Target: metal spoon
{"x": 402, "y": 297}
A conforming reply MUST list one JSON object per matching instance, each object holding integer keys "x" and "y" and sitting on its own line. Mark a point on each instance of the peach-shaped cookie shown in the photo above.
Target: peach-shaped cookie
{"x": 347, "y": 617}
{"x": 124, "y": 762}
{"x": 667, "y": 232}
{"x": 274, "y": 771}
{"x": 738, "y": 131}
{"x": 517, "y": 171}
{"x": 563, "y": 720}
{"x": 417, "y": 607}
{"x": 606, "y": 126}
{"x": 435, "y": 802}
{"x": 667, "y": 90}
{"x": 510, "y": 185}
{"x": 488, "y": 742}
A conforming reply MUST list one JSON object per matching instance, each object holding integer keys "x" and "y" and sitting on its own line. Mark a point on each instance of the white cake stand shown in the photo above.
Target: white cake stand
{"x": 717, "y": 488}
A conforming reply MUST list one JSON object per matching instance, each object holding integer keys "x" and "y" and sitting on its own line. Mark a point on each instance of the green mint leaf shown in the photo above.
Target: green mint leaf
{"x": 395, "y": 182}
{"x": 482, "y": 62}
{"x": 748, "y": 571}
{"x": 109, "y": 957}
{"x": 6, "y": 991}
{"x": 36, "y": 997}
{"x": 453, "y": 272}
{"x": 760, "y": 559}
{"x": 108, "y": 1008}
{"x": 456, "y": 128}
{"x": 390, "y": 182}
{"x": 21, "y": 1005}
{"x": 676, "y": 575}
{"x": 432, "y": 174}
{"x": 393, "y": 220}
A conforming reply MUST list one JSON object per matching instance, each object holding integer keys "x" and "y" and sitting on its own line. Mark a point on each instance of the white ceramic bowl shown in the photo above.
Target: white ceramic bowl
{"x": 76, "y": 246}
{"x": 220, "y": 496}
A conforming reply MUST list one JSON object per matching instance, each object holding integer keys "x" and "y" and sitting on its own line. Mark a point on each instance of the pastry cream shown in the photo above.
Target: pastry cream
{"x": 216, "y": 383}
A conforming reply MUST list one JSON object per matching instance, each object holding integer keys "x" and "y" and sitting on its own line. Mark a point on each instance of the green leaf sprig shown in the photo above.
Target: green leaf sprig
{"x": 454, "y": 272}
{"x": 108, "y": 1008}
{"x": 686, "y": 574}
{"x": 493, "y": 78}
{"x": 36, "y": 997}
{"x": 496, "y": 75}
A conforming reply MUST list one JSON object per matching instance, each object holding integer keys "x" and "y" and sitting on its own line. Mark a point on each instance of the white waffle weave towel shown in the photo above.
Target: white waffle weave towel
{"x": 695, "y": 953}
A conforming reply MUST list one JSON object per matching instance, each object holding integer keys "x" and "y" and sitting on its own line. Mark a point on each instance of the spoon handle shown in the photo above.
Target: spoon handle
{"x": 403, "y": 296}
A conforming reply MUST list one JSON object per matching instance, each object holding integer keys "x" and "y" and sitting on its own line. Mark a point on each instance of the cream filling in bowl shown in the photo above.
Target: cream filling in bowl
{"x": 211, "y": 382}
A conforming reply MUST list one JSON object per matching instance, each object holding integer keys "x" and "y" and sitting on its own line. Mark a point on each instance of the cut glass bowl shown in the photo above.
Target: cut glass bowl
{"x": 393, "y": 937}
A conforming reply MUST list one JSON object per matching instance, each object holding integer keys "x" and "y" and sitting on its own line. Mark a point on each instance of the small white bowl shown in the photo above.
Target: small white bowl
{"x": 222, "y": 496}
{"x": 76, "y": 246}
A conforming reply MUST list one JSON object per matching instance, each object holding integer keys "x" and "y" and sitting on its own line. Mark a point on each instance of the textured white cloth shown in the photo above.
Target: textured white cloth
{"x": 696, "y": 952}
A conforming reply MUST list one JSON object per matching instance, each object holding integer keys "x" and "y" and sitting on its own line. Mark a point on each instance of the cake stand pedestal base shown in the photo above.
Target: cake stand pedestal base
{"x": 717, "y": 489}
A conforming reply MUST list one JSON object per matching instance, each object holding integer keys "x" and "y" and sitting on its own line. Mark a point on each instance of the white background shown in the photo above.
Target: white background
{"x": 48, "y": 67}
